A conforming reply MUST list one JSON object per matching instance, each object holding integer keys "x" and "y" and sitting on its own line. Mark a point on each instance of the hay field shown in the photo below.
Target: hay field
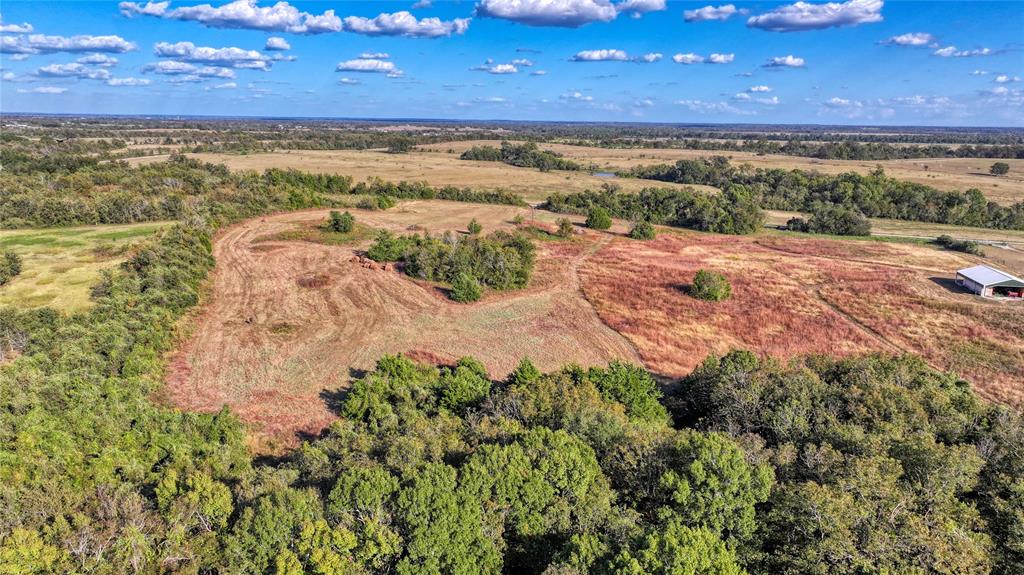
{"x": 793, "y": 296}
{"x": 944, "y": 173}
{"x": 279, "y": 353}
{"x": 60, "y": 265}
{"x": 435, "y": 168}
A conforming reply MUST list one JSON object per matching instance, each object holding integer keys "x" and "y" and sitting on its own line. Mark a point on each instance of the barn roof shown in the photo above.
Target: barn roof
{"x": 987, "y": 276}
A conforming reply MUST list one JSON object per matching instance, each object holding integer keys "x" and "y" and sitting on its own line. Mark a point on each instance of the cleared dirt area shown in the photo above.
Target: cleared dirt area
{"x": 793, "y": 296}
{"x": 435, "y": 168}
{"x": 945, "y": 174}
{"x": 277, "y": 352}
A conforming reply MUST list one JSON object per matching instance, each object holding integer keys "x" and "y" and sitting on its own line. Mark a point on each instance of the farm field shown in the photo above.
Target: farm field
{"x": 62, "y": 264}
{"x": 435, "y": 168}
{"x": 943, "y": 173}
{"x": 277, "y": 352}
{"x": 794, "y": 296}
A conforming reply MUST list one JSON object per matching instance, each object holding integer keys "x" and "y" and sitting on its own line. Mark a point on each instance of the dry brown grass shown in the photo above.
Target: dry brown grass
{"x": 269, "y": 348}
{"x": 793, "y": 296}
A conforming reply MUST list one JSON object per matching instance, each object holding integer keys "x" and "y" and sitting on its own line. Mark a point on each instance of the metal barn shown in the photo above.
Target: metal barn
{"x": 990, "y": 282}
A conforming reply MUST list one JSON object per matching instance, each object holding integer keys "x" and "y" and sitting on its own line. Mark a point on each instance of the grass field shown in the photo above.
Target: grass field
{"x": 61, "y": 264}
{"x": 276, "y": 348}
{"x": 793, "y": 296}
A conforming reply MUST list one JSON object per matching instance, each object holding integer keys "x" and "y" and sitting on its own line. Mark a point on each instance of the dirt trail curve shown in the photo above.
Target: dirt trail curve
{"x": 269, "y": 348}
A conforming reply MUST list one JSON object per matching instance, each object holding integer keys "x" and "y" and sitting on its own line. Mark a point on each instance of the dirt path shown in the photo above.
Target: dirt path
{"x": 271, "y": 349}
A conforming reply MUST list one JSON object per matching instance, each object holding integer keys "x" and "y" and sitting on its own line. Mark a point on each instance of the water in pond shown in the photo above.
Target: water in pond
{"x": 605, "y": 174}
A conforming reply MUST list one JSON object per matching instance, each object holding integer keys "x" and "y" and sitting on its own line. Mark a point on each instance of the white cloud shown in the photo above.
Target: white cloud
{"x": 538, "y": 73}
{"x": 760, "y": 89}
{"x": 644, "y": 103}
{"x": 742, "y": 96}
{"x": 42, "y": 44}
{"x": 650, "y": 58}
{"x": 952, "y": 52}
{"x": 564, "y": 13}
{"x": 225, "y": 86}
{"x": 490, "y": 100}
{"x": 773, "y": 101}
{"x": 1005, "y": 79}
{"x": 522, "y": 62}
{"x": 637, "y": 7}
{"x": 805, "y": 16}
{"x": 98, "y": 60}
{"x": 705, "y": 107}
{"x": 915, "y": 39}
{"x": 837, "y": 102}
{"x": 375, "y": 56}
{"x": 243, "y": 14}
{"x": 979, "y": 72}
{"x": 349, "y": 81}
{"x": 169, "y": 68}
{"x": 369, "y": 65}
{"x": 231, "y": 56}
{"x": 421, "y": 4}
{"x": 721, "y": 58}
{"x": 577, "y": 96}
{"x": 23, "y": 28}
{"x": 503, "y": 69}
{"x": 43, "y": 90}
{"x": 72, "y": 70}
{"x": 277, "y": 43}
{"x": 711, "y": 13}
{"x": 128, "y": 82}
{"x": 600, "y": 56}
{"x": 789, "y": 61}
{"x": 688, "y": 58}
{"x": 405, "y": 24}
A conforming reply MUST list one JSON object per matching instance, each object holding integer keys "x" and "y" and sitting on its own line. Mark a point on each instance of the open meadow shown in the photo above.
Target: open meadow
{"x": 62, "y": 264}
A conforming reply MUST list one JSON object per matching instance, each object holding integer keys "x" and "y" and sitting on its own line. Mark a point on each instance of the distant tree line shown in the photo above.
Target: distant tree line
{"x": 874, "y": 195}
{"x": 526, "y": 155}
{"x": 734, "y": 211}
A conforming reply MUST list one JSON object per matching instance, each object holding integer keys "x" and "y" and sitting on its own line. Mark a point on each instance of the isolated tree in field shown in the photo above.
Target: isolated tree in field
{"x": 339, "y": 222}
{"x": 642, "y": 230}
{"x": 474, "y": 227}
{"x": 710, "y": 286}
{"x": 565, "y": 228}
{"x": 598, "y": 219}
{"x": 465, "y": 288}
{"x": 999, "y": 169}
{"x": 839, "y": 220}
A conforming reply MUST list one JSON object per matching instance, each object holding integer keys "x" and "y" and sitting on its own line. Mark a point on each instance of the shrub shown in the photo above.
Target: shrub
{"x": 518, "y": 220}
{"x": 389, "y": 248}
{"x": 465, "y": 288}
{"x": 798, "y": 225}
{"x": 999, "y": 169}
{"x": 380, "y": 202}
{"x": 598, "y": 219}
{"x": 839, "y": 221}
{"x": 10, "y": 266}
{"x": 642, "y": 231}
{"x": 965, "y": 246}
{"x": 339, "y": 222}
{"x": 710, "y": 286}
{"x": 565, "y": 228}
{"x": 474, "y": 227}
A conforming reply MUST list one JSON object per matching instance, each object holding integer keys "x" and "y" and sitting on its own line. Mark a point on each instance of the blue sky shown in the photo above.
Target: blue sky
{"x": 855, "y": 62}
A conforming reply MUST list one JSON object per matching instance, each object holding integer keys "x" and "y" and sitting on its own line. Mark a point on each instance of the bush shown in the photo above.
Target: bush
{"x": 642, "y": 231}
{"x": 389, "y": 248}
{"x": 474, "y": 227}
{"x": 999, "y": 169}
{"x": 839, "y": 221}
{"x": 598, "y": 219}
{"x": 465, "y": 288}
{"x": 565, "y": 228}
{"x": 10, "y": 266}
{"x": 710, "y": 286}
{"x": 380, "y": 202}
{"x": 965, "y": 246}
{"x": 339, "y": 222}
{"x": 798, "y": 225}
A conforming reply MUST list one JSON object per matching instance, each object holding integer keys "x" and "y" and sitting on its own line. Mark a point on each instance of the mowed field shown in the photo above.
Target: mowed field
{"x": 945, "y": 174}
{"x": 794, "y": 296}
{"x": 60, "y": 265}
{"x": 277, "y": 352}
{"x": 436, "y": 168}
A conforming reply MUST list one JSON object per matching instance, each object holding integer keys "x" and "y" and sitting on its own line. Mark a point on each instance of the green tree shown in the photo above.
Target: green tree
{"x": 474, "y": 227}
{"x": 566, "y": 229}
{"x": 710, "y": 286}
{"x": 598, "y": 219}
{"x": 10, "y": 266}
{"x": 340, "y": 222}
{"x": 633, "y": 387}
{"x": 465, "y": 288}
{"x": 677, "y": 549}
{"x": 999, "y": 169}
{"x": 642, "y": 230}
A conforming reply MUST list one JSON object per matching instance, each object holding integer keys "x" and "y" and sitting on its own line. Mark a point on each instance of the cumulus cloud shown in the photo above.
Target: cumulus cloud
{"x": 576, "y": 96}
{"x": 605, "y": 55}
{"x": 688, "y": 58}
{"x": 915, "y": 39}
{"x": 705, "y": 107}
{"x": 230, "y": 56}
{"x": 803, "y": 16}
{"x": 98, "y": 60}
{"x": 789, "y": 61}
{"x": 650, "y": 58}
{"x": 759, "y": 89}
{"x": 277, "y": 43}
{"x": 349, "y": 81}
{"x": 375, "y": 56}
{"x": 169, "y": 68}
{"x": 128, "y": 82}
{"x": 564, "y": 13}
{"x": 405, "y": 24}
{"x": 42, "y": 44}
{"x": 242, "y": 14}
{"x": 1005, "y": 79}
{"x": 225, "y": 86}
{"x": 42, "y": 90}
{"x": 523, "y": 62}
{"x": 538, "y": 73}
{"x": 23, "y": 28}
{"x": 72, "y": 70}
{"x": 368, "y": 65}
{"x": 952, "y": 52}
{"x": 711, "y": 13}
{"x": 421, "y": 4}
{"x": 837, "y": 102}
{"x": 721, "y": 58}
{"x": 636, "y": 8}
